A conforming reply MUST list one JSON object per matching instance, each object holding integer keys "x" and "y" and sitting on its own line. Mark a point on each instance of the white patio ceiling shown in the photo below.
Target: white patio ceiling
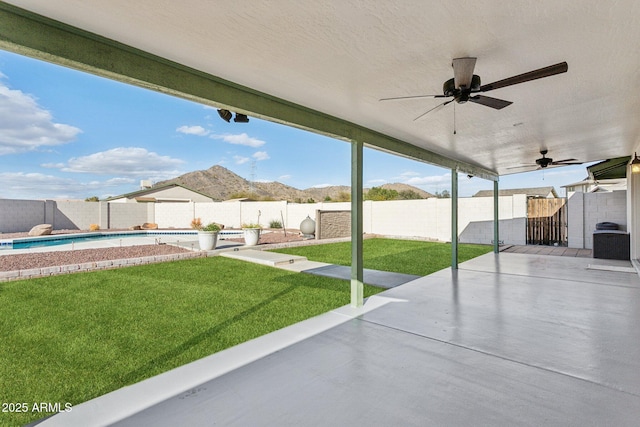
{"x": 340, "y": 57}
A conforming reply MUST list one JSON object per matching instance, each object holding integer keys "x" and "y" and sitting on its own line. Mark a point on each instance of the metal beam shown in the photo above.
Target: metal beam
{"x": 357, "y": 268}
{"x": 33, "y": 35}
{"x": 496, "y": 219}
{"x": 454, "y": 219}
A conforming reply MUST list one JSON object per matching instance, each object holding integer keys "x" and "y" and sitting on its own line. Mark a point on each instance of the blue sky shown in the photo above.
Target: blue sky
{"x": 70, "y": 135}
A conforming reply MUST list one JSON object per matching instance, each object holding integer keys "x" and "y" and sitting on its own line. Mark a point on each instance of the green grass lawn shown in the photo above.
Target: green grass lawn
{"x": 400, "y": 256}
{"x": 74, "y": 337}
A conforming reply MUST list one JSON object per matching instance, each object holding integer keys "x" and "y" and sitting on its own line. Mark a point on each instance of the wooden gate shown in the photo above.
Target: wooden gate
{"x": 546, "y": 222}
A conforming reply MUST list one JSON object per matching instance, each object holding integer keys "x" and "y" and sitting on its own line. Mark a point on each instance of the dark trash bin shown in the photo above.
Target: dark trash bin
{"x": 606, "y": 226}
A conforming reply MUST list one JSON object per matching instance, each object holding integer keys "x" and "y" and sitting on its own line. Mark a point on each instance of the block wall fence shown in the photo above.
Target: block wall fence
{"x": 427, "y": 218}
{"x": 585, "y": 210}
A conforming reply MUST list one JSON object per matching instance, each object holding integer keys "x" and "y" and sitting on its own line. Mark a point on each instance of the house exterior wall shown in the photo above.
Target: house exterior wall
{"x": 633, "y": 213}
{"x": 178, "y": 193}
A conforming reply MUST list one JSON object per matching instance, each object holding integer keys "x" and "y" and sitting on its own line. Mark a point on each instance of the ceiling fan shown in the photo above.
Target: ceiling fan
{"x": 464, "y": 85}
{"x": 545, "y": 161}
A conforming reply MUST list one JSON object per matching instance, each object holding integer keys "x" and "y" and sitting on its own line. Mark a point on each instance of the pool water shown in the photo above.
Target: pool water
{"x": 55, "y": 240}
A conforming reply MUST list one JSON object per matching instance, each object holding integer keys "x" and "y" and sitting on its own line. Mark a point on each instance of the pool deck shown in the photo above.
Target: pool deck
{"x": 508, "y": 339}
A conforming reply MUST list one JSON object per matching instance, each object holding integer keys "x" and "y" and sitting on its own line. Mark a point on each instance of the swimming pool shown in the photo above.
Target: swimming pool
{"x": 64, "y": 239}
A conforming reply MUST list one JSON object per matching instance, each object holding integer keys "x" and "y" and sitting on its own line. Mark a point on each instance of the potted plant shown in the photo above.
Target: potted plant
{"x": 251, "y": 233}
{"x": 208, "y": 236}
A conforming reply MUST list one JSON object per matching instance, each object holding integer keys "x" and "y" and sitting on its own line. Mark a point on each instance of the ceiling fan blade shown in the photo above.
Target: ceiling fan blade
{"x": 531, "y": 75}
{"x": 463, "y": 71}
{"x": 564, "y": 162}
{"x": 401, "y": 98}
{"x": 496, "y": 103}
{"x": 433, "y": 109}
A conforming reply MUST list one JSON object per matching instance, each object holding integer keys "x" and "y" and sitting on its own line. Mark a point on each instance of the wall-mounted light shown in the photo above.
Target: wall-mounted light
{"x": 635, "y": 164}
{"x": 225, "y": 115}
{"x": 241, "y": 118}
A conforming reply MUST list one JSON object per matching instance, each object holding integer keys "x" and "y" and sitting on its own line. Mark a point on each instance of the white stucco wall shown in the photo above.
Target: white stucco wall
{"x": 427, "y": 218}
{"x": 585, "y": 210}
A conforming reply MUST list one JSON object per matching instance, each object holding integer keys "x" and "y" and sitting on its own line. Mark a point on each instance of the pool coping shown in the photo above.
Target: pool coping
{"x": 7, "y": 244}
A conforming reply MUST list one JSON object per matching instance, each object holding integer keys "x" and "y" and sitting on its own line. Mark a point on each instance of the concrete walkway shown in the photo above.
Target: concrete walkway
{"x": 300, "y": 264}
{"x": 508, "y": 339}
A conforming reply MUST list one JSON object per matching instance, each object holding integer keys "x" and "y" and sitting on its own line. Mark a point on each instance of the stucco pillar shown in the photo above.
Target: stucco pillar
{"x": 496, "y": 219}
{"x": 357, "y": 269}
{"x": 454, "y": 219}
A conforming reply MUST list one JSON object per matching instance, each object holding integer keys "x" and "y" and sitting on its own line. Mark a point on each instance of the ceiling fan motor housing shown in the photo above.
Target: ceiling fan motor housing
{"x": 449, "y": 88}
{"x": 544, "y": 161}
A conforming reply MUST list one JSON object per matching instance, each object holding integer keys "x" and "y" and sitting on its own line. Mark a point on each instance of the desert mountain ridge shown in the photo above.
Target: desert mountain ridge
{"x": 220, "y": 183}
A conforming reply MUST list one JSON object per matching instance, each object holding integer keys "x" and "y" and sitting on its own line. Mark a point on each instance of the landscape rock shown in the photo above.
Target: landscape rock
{"x": 135, "y": 227}
{"x": 41, "y": 230}
{"x": 149, "y": 226}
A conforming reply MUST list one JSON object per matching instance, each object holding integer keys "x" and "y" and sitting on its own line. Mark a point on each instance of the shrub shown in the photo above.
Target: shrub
{"x": 251, "y": 225}
{"x": 211, "y": 227}
{"x": 94, "y": 227}
{"x": 274, "y": 223}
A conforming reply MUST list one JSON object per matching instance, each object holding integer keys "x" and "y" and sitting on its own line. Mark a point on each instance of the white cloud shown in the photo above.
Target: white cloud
{"x": 407, "y": 174}
{"x": 125, "y": 161}
{"x": 261, "y": 155}
{"x": 26, "y": 126}
{"x": 429, "y": 180}
{"x": 321, "y": 185}
{"x": 240, "y": 160}
{"x": 52, "y": 165}
{"x": 284, "y": 177}
{"x": 20, "y": 185}
{"x": 240, "y": 139}
{"x": 193, "y": 130}
{"x": 120, "y": 181}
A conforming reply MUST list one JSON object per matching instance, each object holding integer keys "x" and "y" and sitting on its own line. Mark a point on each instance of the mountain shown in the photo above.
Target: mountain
{"x": 399, "y": 187}
{"x": 222, "y": 184}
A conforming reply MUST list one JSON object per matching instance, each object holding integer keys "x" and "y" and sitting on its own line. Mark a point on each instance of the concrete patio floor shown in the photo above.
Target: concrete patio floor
{"x": 508, "y": 339}
{"x": 547, "y": 250}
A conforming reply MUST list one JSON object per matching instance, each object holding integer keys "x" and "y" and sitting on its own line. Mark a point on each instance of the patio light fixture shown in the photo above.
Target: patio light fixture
{"x": 226, "y": 116}
{"x": 241, "y": 118}
{"x": 635, "y": 164}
